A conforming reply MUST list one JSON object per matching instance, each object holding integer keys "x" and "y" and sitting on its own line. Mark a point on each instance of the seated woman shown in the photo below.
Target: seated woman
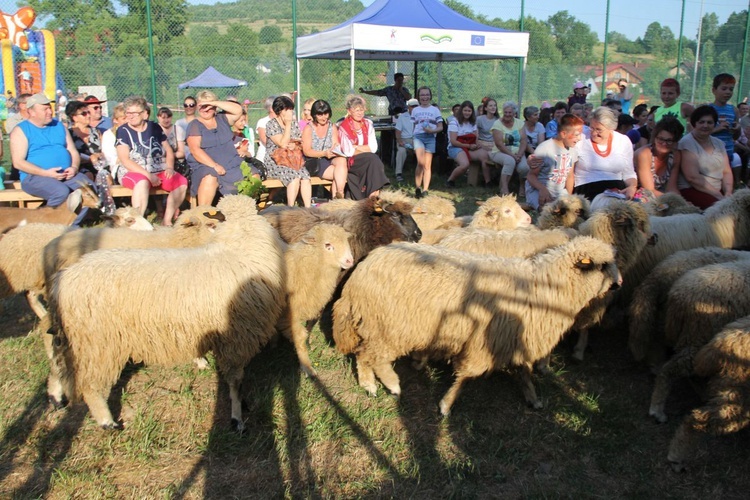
{"x": 109, "y": 148}
{"x": 705, "y": 175}
{"x": 605, "y": 161}
{"x": 485, "y": 123}
{"x": 282, "y": 131}
{"x": 164, "y": 116}
{"x": 366, "y": 171}
{"x": 214, "y": 162}
{"x": 655, "y": 163}
{"x": 532, "y": 129}
{"x": 145, "y": 153}
{"x": 87, "y": 139}
{"x": 510, "y": 147}
{"x": 463, "y": 146}
{"x": 319, "y": 139}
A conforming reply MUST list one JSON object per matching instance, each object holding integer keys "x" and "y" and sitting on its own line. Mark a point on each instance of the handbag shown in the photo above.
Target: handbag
{"x": 313, "y": 166}
{"x": 289, "y": 157}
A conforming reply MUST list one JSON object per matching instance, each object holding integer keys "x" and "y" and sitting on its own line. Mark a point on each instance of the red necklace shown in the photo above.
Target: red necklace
{"x": 606, "y": 152}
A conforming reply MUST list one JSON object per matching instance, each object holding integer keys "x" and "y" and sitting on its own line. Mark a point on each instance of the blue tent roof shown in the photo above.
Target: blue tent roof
{"x": 211, "y": 78}
{"x": 428, "y": 14}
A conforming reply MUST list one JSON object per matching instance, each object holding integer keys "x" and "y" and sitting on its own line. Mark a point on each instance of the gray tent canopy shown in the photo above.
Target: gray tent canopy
{"x": 211, "y": 78}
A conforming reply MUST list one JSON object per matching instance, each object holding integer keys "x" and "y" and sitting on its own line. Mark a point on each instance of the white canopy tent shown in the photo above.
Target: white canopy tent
{"x": 411, "y": 30}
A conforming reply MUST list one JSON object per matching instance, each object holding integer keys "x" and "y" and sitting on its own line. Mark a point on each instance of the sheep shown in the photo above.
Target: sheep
{"x": 490, "y": 312}
{"x": 193, "y": 228}
{"x": 21, "y": 255}
{"x": 699, "y": 304}
{"x": 497, "y": 213}
{"x": 670, "y": 204}
{"x": 313, "y": 266}
{"x": 372, "y": 223}
{"x": 83, "y": 197}
{"x": 129, "y": 217}
{"x": 566, "y": 211}
{"x": 724, "y": 225}
{"x": 523, "y": 242}
{"x": 111, "y": 307}
{"x": 429, "y": 212}
{"x": 726, "y": 360}
{"x": 627, "y": 227}
{"x": 646, "y": 311}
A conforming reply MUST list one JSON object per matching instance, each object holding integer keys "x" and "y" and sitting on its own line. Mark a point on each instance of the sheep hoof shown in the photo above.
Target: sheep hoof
{"x": 309, "y": 371}
{"x": 445, "y": 410}
{"x": 658, "y": 415}
{"x": 678, "y": 466}
{"x": 238, "y": 425}
{"x": 56, "y": 403}
{"x": 537, "y": 405}
{"x": 578, "y": 356}
{"x": 201, "y": 363}
{"x": 372, "y": 390}
{"x": 111, "y": 426}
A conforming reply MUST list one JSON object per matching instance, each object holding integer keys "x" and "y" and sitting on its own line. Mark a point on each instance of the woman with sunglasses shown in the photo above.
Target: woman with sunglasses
{"x": 214, "y": 161}
{"x": 87, "y": 139}
{"x": 143, "y": 150}
{"x": 655, "y": 163}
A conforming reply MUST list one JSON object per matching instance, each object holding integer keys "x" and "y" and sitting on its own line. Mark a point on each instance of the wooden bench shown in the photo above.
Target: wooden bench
{"x": 14, "y": 195}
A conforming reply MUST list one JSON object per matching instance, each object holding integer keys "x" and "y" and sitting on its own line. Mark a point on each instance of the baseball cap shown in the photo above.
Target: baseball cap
{"x": 39, "y": 98}
{"x": 247, "y": 101}
{"x": 412, "y": 102}
{"x": 92, "y": 99}
{"x": 578, "y": 85}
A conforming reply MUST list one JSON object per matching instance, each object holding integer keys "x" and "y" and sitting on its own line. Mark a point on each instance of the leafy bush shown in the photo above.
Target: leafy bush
{"x": 249, "y": 185}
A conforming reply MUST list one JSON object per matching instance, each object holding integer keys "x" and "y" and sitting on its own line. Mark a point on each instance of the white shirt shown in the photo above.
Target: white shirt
{"x": 405, "y": 125}
{"x": 617, "y": 165}
{"x": 423, "y": 118}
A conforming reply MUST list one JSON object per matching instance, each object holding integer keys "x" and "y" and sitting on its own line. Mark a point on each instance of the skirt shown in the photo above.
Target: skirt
{"x": 366, "y": 175}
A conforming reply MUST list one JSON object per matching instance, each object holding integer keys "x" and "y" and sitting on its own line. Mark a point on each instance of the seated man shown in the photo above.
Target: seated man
{"x": 42, "y": 149}
{"x": 404, "y": 137}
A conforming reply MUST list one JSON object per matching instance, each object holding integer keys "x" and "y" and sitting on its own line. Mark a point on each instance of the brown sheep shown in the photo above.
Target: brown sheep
{"x": 65, "y": 214}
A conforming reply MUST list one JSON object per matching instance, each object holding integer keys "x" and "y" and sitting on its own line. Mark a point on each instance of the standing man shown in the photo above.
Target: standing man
{"x": 404, "y": 137}
{"x": 43, "y": 150}
{"x": 96, "y": 120}
{"x": 624, "y": 96}
{"x": 397, "y": 94}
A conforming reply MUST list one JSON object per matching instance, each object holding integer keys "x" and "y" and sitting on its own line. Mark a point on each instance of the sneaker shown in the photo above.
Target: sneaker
{"x": 399, "y": 178}
{"x": 424, "y": 194}
{"x": 450, "y": 184}
{"x": 418, "y": 193}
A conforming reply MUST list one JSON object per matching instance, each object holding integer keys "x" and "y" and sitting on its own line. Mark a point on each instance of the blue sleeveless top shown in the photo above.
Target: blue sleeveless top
{"x": 726, "y": 112}
{"x": 47, "y": 145}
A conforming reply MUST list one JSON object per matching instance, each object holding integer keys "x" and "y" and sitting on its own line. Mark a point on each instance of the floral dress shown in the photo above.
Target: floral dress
{"x": 283, "y": 173}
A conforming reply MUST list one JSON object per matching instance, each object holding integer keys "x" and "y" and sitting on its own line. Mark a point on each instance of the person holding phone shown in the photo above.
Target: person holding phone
{"x": 43, "y": 151}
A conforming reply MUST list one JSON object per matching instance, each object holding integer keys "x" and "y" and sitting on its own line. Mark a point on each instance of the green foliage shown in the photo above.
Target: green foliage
{"x": 249, "y": 186}
{"x": 573, "y": 38}
{"x": 270, "y": 34}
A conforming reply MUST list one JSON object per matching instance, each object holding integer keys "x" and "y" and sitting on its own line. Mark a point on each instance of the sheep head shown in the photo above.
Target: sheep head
{"x": 334, "y": 241}
{"x": 400, "y": 214}
{"x": 500, "y": 213}
{"x": 236, "y": 207}
{"x": 590, "y": 255}
{"x": 130, "y": 218}
{"x": 566, "y": 211}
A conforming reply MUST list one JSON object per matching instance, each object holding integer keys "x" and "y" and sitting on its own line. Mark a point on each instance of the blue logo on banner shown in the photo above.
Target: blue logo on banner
{"x": 477, "y": 39}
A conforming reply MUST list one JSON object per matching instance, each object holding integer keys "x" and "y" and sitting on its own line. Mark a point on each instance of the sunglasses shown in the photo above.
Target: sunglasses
{"x": 189, "y": 105}
{"x": 83, "y": 113}
{"x": 96, "y": 108}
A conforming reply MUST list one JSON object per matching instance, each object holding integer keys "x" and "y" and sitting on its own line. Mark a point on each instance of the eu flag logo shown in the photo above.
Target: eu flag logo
{"x": 477, "y": 39}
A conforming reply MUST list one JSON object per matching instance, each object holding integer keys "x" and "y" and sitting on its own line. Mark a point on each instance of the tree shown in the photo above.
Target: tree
{"x": 659, "y": 40}
{"x": 573, "y": 38}
{"x": 270, "y": 33}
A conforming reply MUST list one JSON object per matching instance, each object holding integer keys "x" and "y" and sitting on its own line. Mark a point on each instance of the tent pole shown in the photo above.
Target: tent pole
{"x": 299, "y": 96}
{"x": 351, "y": 71}
{"x": 440, "y": 79}
{"x": 416, "y": 79}
{"x": 522, "y": 81}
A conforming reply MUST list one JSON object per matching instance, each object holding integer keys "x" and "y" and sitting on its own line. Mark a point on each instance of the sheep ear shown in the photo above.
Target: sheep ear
{"x": 623, "y": 221}
{"x": 491, "y": 212}
{"x": 191, "y": 222}
{"x": 419, "y": 211}
{"x": 662, "y": 207}
{"x": 308, "y": 239}
{"x": 585, "y": 264}
{"x": 480, "y": 203}
{"x": 215, "y": 215}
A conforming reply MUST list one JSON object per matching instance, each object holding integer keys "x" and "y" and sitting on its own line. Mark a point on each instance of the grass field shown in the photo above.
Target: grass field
{"x": 326, "y": 438}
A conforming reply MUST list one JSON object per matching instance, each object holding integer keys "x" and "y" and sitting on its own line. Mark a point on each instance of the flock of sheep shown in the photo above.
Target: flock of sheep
{"x": 509, "y": 291}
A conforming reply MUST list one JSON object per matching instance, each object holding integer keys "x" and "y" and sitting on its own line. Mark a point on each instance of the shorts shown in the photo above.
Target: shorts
{"x": 425, "y": 141}
{"x": 453, "y": 152}
{"x": 130, "y": 179}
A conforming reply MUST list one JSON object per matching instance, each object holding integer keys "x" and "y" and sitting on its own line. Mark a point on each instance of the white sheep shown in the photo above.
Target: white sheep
{"x": 429, "y": 212}
{"x": 647, "y": 308}
{"x": 490, "y": 312}
{"x": 83, "y": 197}
{"x": 21, "y": 255}
{"x": 497, "y": 213}
{"x": 168, "y": 306}
{"x": 724, "y": 225}
{"x": 699, "y": 304}
{"x": 726, "y": 360}
{"x": 670, "y": 204}
{"x": 569, "y": 210}
{"x": 313, "y": 266}
{"x": 521, "y": 242}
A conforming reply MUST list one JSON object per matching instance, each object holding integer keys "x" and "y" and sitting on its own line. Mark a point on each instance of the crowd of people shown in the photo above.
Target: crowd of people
{"x": 573, "y": 146}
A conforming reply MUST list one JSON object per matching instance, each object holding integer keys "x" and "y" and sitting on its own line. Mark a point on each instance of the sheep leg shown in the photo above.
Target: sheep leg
{"x": 99, "y": 410}
{"x": 34, "y": 299}
{"x": 385, "y": 373}
{"x": 680, "y": 365}
{"x": 234, "y": 379}
{"x": 299, "y": 338}
{"x": 55, "y": 393}
{"x": 583, "y": 342}
{"x": 450, "y": 397}
{"x": 366, "y": 376}
{"x": 527, "y": 386}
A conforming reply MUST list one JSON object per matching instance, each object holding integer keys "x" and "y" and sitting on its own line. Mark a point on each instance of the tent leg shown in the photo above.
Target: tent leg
{"x": 522, "y": 62}
{"x": 351, "y": 71}
{"x": 416, "y": 79}
{"x": 297, "y": 88}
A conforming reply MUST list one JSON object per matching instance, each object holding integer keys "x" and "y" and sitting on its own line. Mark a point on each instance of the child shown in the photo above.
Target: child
{"x": 670, "y": 91}
{"x": 551, "y": 165}
{"x": 728, "y": 126}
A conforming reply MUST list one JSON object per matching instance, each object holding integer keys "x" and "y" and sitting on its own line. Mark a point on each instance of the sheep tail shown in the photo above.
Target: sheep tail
{"x": 344, "y": 331}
